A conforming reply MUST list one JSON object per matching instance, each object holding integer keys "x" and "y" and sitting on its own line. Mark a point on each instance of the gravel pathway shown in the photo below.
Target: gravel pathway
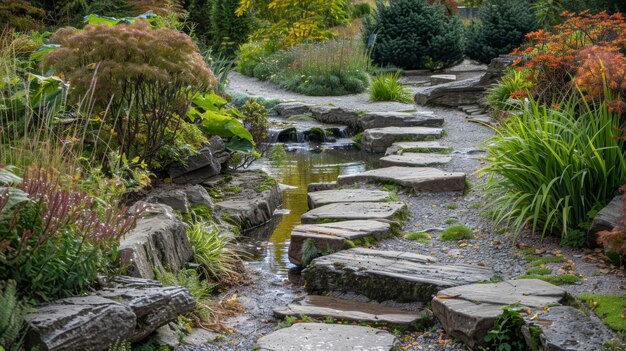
{"x": 492, "y": 247}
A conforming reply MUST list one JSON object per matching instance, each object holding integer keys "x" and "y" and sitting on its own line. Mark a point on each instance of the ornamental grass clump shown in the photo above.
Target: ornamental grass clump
{"x": 549, "y": 167}
{"x": 337, "y": 67}
{"x": 387, "y": 87}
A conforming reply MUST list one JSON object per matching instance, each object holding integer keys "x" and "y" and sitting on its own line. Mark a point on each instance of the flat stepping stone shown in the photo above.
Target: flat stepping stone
{"x": 418, "y": 179}
{"x": 468, "y": 312}
{"x": 442, "y": 78}
{"x": 325, "y": 197}
{"x": 482, "y": 119}
{"x": 345, "y": 211}
{"x": 336, "y": 236}
{"x": 416, "y": 147}
{"x": 400, "y": 119}
{"x": 321, "y": 307}
{"x": 387, "y": 275}
{"x": 568, "y": 328}
{"x": 410, "y": 159}
{"x": 328, "y": 337}
{"x": 379, "y": 139}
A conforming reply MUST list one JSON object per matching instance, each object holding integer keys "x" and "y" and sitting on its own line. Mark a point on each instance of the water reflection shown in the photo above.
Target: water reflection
{"x": 300, "y": 168}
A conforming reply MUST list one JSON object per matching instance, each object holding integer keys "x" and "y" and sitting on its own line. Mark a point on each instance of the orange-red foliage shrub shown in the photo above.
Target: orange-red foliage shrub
{"x": 582, "y": 51}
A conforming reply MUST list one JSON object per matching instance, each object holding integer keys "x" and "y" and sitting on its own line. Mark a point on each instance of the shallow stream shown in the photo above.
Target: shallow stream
{"x": 304, "y": 164}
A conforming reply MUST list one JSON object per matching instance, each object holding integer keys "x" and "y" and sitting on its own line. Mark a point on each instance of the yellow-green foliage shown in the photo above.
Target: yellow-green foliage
{"x": 387, "y": 87}
{"x": 295, "y": 21}
{"x": 456, "y": 232}
{"x": 11, "y": 317}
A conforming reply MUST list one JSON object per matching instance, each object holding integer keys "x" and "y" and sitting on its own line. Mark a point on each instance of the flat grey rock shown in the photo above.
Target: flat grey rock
{"x": 379, "y": 139}
{"x": 90, "y": 323}
{"x": 452, "y": 94}
{"x": 288, "y": 109}
{"x": 471, "y": 310}
{"x": 180, "y": 197}
{"x": 202, "y": 166}
{"x": 418, "y": 179}
{"x": 325, "y": 197}
{"x": 333, "y": 236}
{"x": 442, "y": 78}
{"x": 565, "y": 328}
{"x": 409, "y": 159}
{"x": 321, "y": 307}
{"x": 313, "y": 187}
{"x": 387, "y": 275}
{"x": 254, "y": 202}
{"x": 399, "y": 119}
{"x": 152, "y": 303}
{"x": 606, "y": 219}
{"x": 328, "y": 337}
{"x": 353, "y": 211}
{"x": 401, "y": 147}
{"x": 158, "y": 241}
{"x": 337, "y": 115}
{"x": 482, "y": 119}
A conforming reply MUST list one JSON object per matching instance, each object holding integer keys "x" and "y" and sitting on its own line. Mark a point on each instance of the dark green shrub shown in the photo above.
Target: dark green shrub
{"x": 111, "y": 8}
{"x": 20, "y": 15}
{"x": 411, "y": 34}
{"x": 228, "y": 30}
{"x": 501, "y": 28}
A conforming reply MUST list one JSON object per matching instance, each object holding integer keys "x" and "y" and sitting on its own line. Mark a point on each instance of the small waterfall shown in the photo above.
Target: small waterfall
{"x": 343, "y": 132}
{"x": 273, "y": 136}
{"x": 300, "y": 137}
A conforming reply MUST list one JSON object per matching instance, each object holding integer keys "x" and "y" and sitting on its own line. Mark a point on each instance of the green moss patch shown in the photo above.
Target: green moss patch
{"x": 539, "y": 271}
{"x": 609, "y": 307}
{"x": 418, "y": 236}
{"x": 456, "y": 232}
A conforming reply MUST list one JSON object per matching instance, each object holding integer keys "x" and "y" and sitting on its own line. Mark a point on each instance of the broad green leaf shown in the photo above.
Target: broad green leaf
{"x": 38, "y": 54}
{"x": 97, "y": 19}
{"x": 237, "y": 144}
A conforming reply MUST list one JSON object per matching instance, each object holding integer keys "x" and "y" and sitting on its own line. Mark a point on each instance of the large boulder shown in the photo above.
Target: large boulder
{"x": 496, "y": 68}
{"x": 606, "y": 219}
{"x": 468, "y": 312}
{"x": 152, "y": 303}
{"x": 337, "y": 115}
{"x": 202, "y": 166}
{"x": 158, "y": 241}
{"x": 89, "y": 323}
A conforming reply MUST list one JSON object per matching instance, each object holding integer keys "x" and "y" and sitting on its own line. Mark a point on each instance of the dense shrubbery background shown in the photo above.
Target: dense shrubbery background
{"x": 411, "y": 34}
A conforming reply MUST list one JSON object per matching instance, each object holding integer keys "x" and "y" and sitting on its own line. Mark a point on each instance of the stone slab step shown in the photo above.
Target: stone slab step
{"x": 409, "y": 159}
{"x": 387, "y": 275}
{"x": 379, "y": 139}
{"x": 568, "y": 328}
{"x": 416, "y": 147}
{"x": 325, "y": 197}
{"x": 400, "y": 119}
{"x": 313, "y": 187}
{"x": 345, "y": 211}
{"x": 334, "y": 236}
{"x": 482, "y": 119}
{"x": 471, "y": 311}
{"x": 418, "y": 179}
{"x": 320, "y": 307}
{"x": 328, "y": 337}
